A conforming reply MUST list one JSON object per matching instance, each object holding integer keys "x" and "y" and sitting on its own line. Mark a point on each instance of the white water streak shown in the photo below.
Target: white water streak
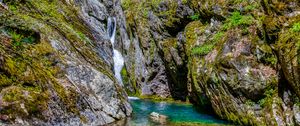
{"x": 117, "y": 56}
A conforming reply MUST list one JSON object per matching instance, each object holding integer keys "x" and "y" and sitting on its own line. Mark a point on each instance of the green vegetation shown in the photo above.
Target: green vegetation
{"x": 237, "y": 1}
{"x": 129, "y": 83}
{"x": 271, "y": 60}
{"x": 195, "y": 17}
{"x": 141, "y": 8}
{"x": 236, "y": 19}
{"x": 139, "y": 11}
{"x": 203, "y": 50}
{"x": 296, "y": 27}
{"x": 126, "y": 80}
{"x": 18, "y": 39}
{"x": 124, "y": 76}
{"x": 184, "y": 1}
{"x": 209, "y": 46}
{"x": 217, "y": 37}
{"x": 251, "y": 7}
{"x": 128, "y": 4}
{"x": 267, "y": 101}
{"x": 247, "y": 25}
{"x": 25, "y": 72}
{"x": 192, "y": 31}
{"x": 170, "y": 14}
{"x": 195, "y": 124}
{"x": 156, "y": 98}
{"x": 250, "y": 103}
{"x": 28, "y": 63}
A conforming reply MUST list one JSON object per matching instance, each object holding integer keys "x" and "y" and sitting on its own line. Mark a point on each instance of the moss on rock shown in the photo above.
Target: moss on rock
{"x": 30, "y": 67}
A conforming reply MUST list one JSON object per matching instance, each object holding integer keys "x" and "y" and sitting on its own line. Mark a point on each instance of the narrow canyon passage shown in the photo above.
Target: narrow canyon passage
{"x": 149, "y": 62}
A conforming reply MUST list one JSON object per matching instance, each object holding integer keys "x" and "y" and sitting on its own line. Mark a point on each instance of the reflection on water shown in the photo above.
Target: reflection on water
{"x": 177, "y": 113}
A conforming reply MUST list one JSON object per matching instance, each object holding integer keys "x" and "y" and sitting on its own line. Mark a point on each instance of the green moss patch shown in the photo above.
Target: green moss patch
{"x": 236, "y": 19}
{"x": 296, "y": 27}
{"x": 28, "y": 71}
{"x": 209, "y": 46}
{"x": 22, "y": 81}
{"x": 203, "y": 50}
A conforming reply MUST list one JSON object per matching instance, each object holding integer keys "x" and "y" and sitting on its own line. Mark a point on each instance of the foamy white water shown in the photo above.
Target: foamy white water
{"x": 117, "y": 56}
{"x": 133, "y": 98}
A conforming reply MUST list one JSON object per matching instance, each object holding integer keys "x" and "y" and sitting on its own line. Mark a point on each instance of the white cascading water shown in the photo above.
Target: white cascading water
{"x": 117, "y": 56}
{"x": 133, "y": 98}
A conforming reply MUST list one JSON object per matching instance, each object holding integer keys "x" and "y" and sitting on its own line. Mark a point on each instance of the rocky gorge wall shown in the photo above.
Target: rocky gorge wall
{"x": 239, "y": 58}
{"x": 56, "y": 63}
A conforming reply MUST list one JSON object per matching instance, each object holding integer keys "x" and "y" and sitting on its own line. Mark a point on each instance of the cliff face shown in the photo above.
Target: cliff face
{"x": 240, "y": 58}
{"x": 56, "y": 63}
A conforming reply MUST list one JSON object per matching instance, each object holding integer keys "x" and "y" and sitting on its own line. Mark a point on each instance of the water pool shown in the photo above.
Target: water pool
{"x": 178, "y": 114}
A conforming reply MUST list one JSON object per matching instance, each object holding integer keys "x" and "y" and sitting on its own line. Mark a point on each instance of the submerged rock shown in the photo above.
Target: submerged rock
{"x": 159, "y": 118}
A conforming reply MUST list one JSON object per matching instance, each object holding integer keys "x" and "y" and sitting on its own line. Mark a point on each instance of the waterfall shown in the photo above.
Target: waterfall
{"x": 117, "y": 56}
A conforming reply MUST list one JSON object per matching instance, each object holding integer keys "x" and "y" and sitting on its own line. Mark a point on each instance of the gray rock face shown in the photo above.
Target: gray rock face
{"x": 106, "y": 99}
{"x": 148, "y": 69}
{"x": 144, "y": 64}
{"x": 84, "y": 91}
{"x": 107, "y": 102}
{"x": 95, "y": 15}
{"x": 297, "y": 114}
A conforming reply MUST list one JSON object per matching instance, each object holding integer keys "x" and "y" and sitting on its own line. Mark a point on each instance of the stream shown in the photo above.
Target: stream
{"x": 177, "y": 113}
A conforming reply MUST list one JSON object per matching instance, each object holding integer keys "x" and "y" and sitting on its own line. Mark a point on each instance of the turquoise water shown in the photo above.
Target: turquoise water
{"x": 176, "y": 112}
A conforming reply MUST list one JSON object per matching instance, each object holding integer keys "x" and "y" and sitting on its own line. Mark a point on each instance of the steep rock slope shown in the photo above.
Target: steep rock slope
{"x": 56, "y": 63}
{"x": 240, "y": 58}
